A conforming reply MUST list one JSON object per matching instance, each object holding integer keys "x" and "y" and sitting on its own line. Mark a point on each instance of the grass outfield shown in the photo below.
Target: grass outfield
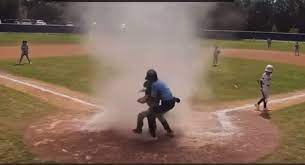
{"x": 290, "y": 122}
{"x": 17, "y": 111}
{"x": 74, "y": 72}
{"x": 255, "y": 44}
{"x": 16, "y": 38}
{"x": 49, "y": 38}
{"x": 77, "y": 73}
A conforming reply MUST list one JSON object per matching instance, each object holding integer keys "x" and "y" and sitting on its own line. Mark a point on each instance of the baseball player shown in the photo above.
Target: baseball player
{"x": 25, "y": 52}
{"x": 264, "y": 83}
{"x": 297, "y": 49}
{"x": 269, "y": 43}
{"x": 150, "y": 118}
{"x": 215, "y": 55}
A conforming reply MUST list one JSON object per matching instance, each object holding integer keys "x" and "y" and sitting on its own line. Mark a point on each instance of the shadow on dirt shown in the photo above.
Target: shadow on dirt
{"x": 265, "y": 115}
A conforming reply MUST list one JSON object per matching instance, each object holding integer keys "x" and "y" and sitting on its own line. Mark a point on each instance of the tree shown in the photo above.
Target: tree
{"x": 8, "y": 9}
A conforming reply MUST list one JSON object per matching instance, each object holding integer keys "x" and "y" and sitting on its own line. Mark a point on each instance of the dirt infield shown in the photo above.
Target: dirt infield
{"x": 43, "y": 50}
{"x": 240, "y": 136}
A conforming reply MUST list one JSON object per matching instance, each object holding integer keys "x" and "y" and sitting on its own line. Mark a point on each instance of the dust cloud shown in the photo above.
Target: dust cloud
{"x": 135, "y": 37}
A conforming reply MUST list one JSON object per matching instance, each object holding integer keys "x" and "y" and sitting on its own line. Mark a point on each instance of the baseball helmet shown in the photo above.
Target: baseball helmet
{"x": 269, "y": 68}
{"x": 151, "y": 75}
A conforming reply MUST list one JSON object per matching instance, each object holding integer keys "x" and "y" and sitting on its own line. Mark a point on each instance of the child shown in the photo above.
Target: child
{"x": 215, "y": 56}
{"x": 264, "y": 87}
{"x": 297, "y": 49}
{"x": 269, "y": 43}
{"x": 25, "y": 52}
{"x": 148, "y": 113}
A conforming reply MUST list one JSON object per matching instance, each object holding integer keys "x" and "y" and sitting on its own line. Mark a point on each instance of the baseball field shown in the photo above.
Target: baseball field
{"x": 44, "y": 104}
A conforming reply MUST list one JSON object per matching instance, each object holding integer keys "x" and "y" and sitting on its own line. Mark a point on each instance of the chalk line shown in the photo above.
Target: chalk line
{"x": 52, "y": 92}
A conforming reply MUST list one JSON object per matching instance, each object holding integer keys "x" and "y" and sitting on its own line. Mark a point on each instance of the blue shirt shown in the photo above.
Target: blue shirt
{"x": 159, "y": 89}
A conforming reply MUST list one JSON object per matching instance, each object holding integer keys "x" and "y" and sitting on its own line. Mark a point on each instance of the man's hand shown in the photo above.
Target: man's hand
{"x": 142, "y": 90}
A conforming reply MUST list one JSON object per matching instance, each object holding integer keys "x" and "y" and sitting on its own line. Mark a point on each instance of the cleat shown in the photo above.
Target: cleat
{"x": 137, "y": 131}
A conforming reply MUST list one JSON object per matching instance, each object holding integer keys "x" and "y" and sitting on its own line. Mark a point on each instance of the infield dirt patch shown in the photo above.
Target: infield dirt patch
{"x": 266, "y": 55}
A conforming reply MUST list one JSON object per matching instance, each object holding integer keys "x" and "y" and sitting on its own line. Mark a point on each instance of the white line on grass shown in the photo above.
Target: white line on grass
{"x": 51, "y": 91}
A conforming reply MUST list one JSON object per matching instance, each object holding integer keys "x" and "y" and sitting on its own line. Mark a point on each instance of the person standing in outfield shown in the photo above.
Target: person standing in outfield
{"x": 269, "y": 43}
{"x": 215, "y": 55}
{"x": 25, "y": 52}
{"x": 297, "y": 49}
{"x": 264, "y": 83}
{"x": 159, "y": 93}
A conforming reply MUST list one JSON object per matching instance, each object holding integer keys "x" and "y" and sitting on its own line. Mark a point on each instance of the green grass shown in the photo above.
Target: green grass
{"x": 50, "y": 38}
{"x": 244, "y": 73}
{"x": 41, "y": 38}
{"x": 17, "y": 111}
{"x": 77, "y": 73}
{"x": 74, "y": 72}
{"x": 255, "y": 44}
{"x": 291, "y": 123}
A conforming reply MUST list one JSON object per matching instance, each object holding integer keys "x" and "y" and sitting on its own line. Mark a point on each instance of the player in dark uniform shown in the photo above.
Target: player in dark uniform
{"x": 297, "y": 49}
{"x": 151, "y": 119}
{"x": 25, "y": 52}
{"x": 269, "y": 43}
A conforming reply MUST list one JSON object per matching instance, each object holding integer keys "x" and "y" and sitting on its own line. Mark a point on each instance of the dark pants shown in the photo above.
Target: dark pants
{"x": 296, "y": 52}
{"x": 27, "y": 57}
{"x": 156, "y": 112}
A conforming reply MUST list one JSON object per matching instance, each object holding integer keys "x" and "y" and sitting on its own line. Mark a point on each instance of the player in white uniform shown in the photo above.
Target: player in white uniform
{"x": 264, "y": 87}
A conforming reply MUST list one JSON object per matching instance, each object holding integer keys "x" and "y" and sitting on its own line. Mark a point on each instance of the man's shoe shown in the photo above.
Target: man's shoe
{"x": 137, "y": 131}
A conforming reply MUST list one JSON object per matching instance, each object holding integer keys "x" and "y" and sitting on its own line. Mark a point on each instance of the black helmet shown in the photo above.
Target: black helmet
{"x": 151, "y": 75}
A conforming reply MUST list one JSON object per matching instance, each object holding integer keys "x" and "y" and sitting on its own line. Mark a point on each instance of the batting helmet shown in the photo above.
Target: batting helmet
{"x": 269, "y": 68}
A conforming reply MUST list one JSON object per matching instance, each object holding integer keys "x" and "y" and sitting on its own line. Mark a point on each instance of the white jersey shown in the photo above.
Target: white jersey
{"x": 266, "y": 81}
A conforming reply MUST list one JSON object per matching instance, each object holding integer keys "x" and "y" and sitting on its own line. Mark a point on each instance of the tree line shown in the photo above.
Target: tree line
{"x": 259, "y": 15}
{"x": 52, "y": 12}
{"x": 252, "y": 15}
